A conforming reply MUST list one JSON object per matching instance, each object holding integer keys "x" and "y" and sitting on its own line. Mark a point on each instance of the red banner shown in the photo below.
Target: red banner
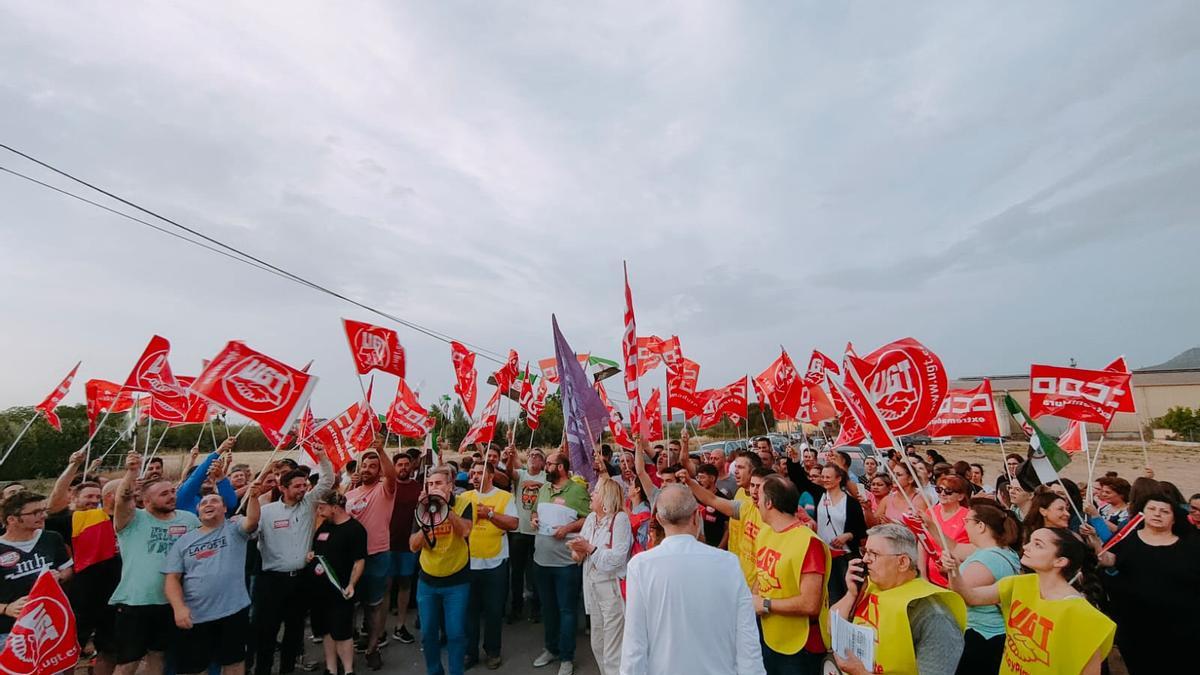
{"x": 198, "y": 411}
{"x": 47, "y": 406}
{"x": 815, "y": 406}
{"x": 484, "y": 428}
{"x": 1125, "y": 402}
{"x": 276, "y": 439}
{"x": 782, "y": 386}
{"x": 966, "y": 412}
{"x": 681, "y": 387}
{"x": 648, "y": 354}
{"x": 534, "y": 408}
{"x": 868, "y": 421}
{"x": 42, "y": 639}
{"x": 850, "y": 432}
{"x": 549, "y": 367}
{"x": 465, "y": 377}
{"x": 615, "y": 426}
{"x": 374, "y": 348}
{"x": 104, "y": 396}
{"x": 508, "y": 372}
{"x": 728, "y": 400}
{"x": 255, "y": 385}
{"x": 406, "y": 416}
{"x": 629, "y": 350}
{"x": 342, "y": 437}
{"x": 169, "y": 409}
{"x": 906, "y": 381}
{"x": 654, "y": 416}
{"x": 818, "y": 363}
{"x": 1076, "y": 394}
{"x": 152, "y": 372}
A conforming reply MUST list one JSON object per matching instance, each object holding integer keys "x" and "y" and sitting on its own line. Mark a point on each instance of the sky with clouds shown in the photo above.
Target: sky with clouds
{"x": 1007, "y": 183}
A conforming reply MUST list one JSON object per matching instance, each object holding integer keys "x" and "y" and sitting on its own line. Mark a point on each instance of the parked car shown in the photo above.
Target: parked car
{"x": 726, "y": 447}
{"x": 857, "y": 454}
{"x": 940, "y": 440}
{"x": 915, "y": 439}
{"x": 987, "y": 440}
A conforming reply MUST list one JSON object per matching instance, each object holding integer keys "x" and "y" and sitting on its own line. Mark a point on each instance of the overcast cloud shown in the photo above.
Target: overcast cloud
{"x": 1007, "y": 182}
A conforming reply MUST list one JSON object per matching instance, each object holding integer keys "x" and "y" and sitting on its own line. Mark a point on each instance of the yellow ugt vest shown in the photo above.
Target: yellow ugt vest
{"x": 486, "y": 538}
{"x": 780, "y": 559}
{"x": 743, "y": 530}
{"x": 887, "y": 612}
{"x": 450, "y": 554}
{"x": 1042, "y": 637}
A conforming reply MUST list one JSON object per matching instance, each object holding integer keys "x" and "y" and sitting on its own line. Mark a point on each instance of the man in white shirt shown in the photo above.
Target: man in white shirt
{"x": 661, "y": 634}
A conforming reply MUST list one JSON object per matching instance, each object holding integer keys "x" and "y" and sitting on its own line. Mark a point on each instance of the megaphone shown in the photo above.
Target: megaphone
{"x": 432, "y": 510}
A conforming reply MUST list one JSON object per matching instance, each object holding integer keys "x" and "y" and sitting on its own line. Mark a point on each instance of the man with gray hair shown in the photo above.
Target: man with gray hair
{"x": 661, "y": 635}
{"x": 918, "y": 626}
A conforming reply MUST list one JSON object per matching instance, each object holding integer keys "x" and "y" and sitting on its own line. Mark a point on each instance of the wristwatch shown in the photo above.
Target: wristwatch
{"x": 767, "y": 605}
{"x": 490, "y": 514}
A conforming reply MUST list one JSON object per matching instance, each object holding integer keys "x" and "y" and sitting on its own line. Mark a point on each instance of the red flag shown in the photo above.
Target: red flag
{"x": 464, "y": 372}
{"x": 152, "y": 372}
{"x": 782, "y": 386}
{"x": 670, "y": 351}
{"x": 966, "y": 412}
{"x": 907, "y": 383}
{"x": 615, "y": 426}
{"x": 276, "y": 439}
{"x": 629, "y": 350}
{"x": 104, "y": 396}
{"x": 42, "y": 639}
{"x": 167, "y": 408}
{"x": 536, "y": 403}
{"x": 305, "y": 427}
{"x": 1130, "y": 527}
{"x": 406, "y": 416}
{"x": 859, "y": 405}
{"x": 648, "y": 354}
{"x": 197, "y": 408}
{"x": 1074, "y": 438}
{"x": 341, "y": 436}
{"x": 508, "y": 372}
{"x": 47, "y": 406}
{"x": 759, "y": 394}
{"x": 484, "y": 428}
{"x": 1076, "y": 394}
{"x": 728, "y": 400}
{"x": 654, "y": 417}
{"x": 815, "y": 406}
{"x": 253, "y": 384}
{"x": 681, "y": 387}
{"x": 374, "y": 348}
{"x": 549, "y": 367}
{"x": 917, "y": 526}
{"x": 850, "y": 432}
{"x": 818, "y": 363}
{"x": 1125, "y": 402}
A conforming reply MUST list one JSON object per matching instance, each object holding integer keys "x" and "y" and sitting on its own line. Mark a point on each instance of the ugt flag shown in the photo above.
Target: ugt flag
{"x": 42, "y": 639}
{"x": 584, "y": 415}
{"x": 374, "y": 347}
{"x": 253, "y": 384}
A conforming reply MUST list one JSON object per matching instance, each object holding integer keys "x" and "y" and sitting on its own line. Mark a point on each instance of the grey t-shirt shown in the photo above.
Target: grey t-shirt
{"x": 213, "y": 565}
{"x": 526, "y": 494}
{"x": 937, "y": 637}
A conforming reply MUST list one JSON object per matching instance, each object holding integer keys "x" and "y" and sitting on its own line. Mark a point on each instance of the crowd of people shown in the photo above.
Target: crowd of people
{"x": 670, "y": 562}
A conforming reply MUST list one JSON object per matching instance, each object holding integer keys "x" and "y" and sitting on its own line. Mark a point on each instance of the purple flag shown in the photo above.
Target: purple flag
{"x": 584, "y": 414}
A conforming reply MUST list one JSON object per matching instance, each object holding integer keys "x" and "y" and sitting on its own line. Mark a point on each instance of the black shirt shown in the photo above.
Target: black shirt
{"x": 341, "y": 546}
{"x": 22, "y": 562}
{"x": 715, "y": 522}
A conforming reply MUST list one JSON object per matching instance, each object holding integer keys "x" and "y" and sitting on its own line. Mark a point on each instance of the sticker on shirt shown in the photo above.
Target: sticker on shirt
{"x": 177, "y": 530}
{"x": 324, "y": 536}
{"x": 280, "y": 524}
{"x": 9, "y": 559}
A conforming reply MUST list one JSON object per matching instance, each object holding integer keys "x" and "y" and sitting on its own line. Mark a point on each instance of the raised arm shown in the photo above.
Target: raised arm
{"x": 124, "y": 506}
{"x": 387, "y": 469}
{"x": 253, "y": 507}
{"x": 707, "y": 498}
{"x": 60, "y": 496}
{"x": 639, "y": 464}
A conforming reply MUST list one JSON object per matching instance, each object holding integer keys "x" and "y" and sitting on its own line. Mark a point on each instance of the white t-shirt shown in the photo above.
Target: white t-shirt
{"x": 831, "y": 518}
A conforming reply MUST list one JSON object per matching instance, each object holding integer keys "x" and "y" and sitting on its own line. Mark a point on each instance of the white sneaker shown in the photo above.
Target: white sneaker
{"x": 545, "y": 659}
{"x": 566, "y": 668}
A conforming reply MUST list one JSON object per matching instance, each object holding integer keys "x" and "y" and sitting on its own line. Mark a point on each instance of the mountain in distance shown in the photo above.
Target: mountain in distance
{"x": 1188, "y": 359}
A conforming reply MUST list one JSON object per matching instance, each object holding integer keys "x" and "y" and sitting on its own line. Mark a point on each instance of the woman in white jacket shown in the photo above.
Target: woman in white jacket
{"x": 603, "y": 548}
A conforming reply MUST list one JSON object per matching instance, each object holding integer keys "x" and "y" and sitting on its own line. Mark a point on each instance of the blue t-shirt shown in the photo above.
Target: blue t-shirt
{"x": 809, "y": 506}
{"x": 213, "y": 565}
{"x": 1001, "y": 562}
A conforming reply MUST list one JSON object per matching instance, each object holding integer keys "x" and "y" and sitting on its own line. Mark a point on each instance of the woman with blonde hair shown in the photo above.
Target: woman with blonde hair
{"x": 603, "y": 548}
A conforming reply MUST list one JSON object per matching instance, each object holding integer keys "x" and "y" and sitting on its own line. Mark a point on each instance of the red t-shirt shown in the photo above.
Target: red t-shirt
{"x": 814, "y": 563}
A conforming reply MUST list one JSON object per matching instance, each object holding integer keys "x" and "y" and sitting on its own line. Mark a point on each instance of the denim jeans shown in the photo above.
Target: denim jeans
{"x": 443, "y": 606}
{"x": 559, "y": 588}
{"x": 489, "y": 590}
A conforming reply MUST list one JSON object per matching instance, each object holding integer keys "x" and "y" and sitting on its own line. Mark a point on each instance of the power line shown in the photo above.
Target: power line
{"x": 232, "y": 252}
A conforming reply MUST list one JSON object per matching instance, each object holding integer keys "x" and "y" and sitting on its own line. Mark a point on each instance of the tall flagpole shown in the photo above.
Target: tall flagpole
{"x": 18, "y": 438}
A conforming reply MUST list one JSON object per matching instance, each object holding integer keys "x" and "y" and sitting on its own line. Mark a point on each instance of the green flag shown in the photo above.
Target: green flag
{"x": 329, "y": 574}
{"x": 430, "y": 446}
{"x": 1045, "y": 458}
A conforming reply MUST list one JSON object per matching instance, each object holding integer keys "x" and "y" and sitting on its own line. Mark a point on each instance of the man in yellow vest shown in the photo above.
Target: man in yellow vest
{"x": 918, "y": 626}
{"x": 793, "y": 572}
{"x": 495, "y": 513}
{"x": 744, "y": 518}
{"x": 443, "y": 587}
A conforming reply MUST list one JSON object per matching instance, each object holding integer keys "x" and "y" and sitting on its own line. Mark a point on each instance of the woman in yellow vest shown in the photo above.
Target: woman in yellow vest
{"x": 1051, "y": 624}
{"x": 918, "y": 626}
{"x": 443, "y": 587}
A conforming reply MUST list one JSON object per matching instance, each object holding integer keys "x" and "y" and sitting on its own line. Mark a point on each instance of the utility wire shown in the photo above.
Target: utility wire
{"x": 232, "y": 252}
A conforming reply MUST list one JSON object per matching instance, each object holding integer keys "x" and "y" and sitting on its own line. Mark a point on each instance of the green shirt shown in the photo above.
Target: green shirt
{"x": 144, "y": 543}
{"x": 551, "y": 552}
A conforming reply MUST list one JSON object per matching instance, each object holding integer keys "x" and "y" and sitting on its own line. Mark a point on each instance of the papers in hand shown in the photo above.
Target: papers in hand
{"x": 849, "y": 638}
{"x": 553, "y": 516}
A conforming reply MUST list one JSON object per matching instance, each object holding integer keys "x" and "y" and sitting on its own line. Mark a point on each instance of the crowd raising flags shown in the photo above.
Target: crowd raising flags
{"x": 913, "y": 552}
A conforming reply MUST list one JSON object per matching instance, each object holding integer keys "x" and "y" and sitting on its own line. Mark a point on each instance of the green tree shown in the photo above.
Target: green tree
{"x": 1184, "y": 422}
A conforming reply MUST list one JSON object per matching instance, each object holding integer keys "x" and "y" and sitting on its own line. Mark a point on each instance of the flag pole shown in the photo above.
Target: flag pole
{"x": 18, "y": 438}
{"x": 146, "y": 461}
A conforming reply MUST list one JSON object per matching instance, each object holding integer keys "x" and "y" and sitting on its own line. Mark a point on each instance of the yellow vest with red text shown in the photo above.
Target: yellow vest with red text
{"x": 887, "y": 612}
{"x": 1042, "y": 637}
{"x": 779, "y": 560}
{"x": 450, "y": 554}
{"x": 486, "y": 539}
{"x": 742, "y": 532}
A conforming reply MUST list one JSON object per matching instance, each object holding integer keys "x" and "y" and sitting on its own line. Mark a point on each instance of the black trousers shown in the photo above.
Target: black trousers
{"x": 520, "y": 560}
{"x": 279, "y": 599}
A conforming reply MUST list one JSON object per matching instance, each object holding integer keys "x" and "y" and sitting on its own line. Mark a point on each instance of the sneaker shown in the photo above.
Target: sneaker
{"x": 375, "y": 660}
{"x": 316, "y": 639}
{"x": 360, "y": 646}
{"x": 307, "y": 665}
{"x": 470, "y": 662}
{"x": 403, "y": 636}
{"x": 493, "y": 662}
{"x": 544, "y": 659}
{"x": 566, "y": 668}
{"x": 383, "y": 640}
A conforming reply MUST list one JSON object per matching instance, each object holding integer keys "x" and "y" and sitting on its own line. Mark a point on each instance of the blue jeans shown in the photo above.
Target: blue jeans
{"x": 559, "y": 588}
{"x": 489, "y": 590}
{"x": 438, "y": 606}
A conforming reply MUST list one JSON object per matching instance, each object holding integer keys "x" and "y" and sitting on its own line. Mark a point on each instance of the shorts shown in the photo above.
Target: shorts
{"x": 404, "y": 564}
{"x": 221, "y": 641}
{"x": 374, "y": 583}
{"x": 332, "y": 616}
{"x": 140, "y": 629}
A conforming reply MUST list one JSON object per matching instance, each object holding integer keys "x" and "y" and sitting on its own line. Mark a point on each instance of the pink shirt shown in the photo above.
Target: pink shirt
{"x": 371, "y": 506}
